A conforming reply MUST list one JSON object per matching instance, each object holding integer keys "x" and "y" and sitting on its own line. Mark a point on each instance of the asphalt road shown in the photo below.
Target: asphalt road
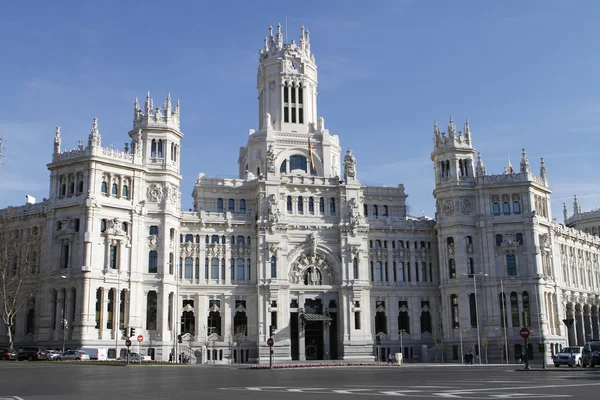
{"x": 55, "y": 381}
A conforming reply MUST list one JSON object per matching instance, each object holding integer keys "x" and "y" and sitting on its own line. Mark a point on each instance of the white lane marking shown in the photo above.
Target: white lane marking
{"x": 500, "y": 389}
{"x": 400, "y": 392}
{"x": 349, "y": 391}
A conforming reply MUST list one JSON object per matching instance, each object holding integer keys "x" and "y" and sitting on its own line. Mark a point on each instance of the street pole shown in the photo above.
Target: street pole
{"x": 462, "y": 356}
{"x": 538, "y": 298}
{"x": 117, "y": 314}
{"x": 477, "y": 315}
{"x": 64, "y": 314}
{"x": 401, "y": 343}
{"x": 504, "y": 321}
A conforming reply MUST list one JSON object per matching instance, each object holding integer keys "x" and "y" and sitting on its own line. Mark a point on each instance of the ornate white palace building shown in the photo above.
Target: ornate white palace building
{"x": 299, "y": 244}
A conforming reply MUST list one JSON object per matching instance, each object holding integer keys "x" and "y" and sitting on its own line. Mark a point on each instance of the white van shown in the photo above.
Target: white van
{"x": 96, "y": 353}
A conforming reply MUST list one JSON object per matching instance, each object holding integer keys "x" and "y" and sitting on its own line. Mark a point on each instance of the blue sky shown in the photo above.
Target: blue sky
{"x": 525, "y": 73}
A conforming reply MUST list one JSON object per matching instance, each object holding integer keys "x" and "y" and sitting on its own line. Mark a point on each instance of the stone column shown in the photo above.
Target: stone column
{"x": 60, "y": 298}
{"x": 326, "y": 341}
{"x": 301, "y": 337}
{"x": 579, "y": 325}
{"x": 69, "y": 312}
{"x": 587, "y": 323}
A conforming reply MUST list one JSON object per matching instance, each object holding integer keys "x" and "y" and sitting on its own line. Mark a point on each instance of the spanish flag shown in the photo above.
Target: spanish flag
{"x": 310, "y": 154}
{"x": 510, "y": 168}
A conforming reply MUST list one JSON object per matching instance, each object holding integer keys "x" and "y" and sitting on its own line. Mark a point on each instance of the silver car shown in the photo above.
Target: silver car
{"x": 570, "y": 356}
{"x": 77, "y": 355}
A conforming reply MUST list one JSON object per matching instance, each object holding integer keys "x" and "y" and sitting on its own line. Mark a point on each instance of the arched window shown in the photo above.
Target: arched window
{"x": 321, "y": 205}
{"x": 506, "y": 207}
{"x": 496, "y": 208}
{"x": 153, "y": 262}
{"x": 384, "y": 211}
{"x": 153, "y": 230}
{"x": 220, "y": 205}
{"x": 283, "y": 167}
{"x": 380, "y": 322}
{"x": 289, "y": 204}
{"x": 300, "y": 204}
{"x": 273, "y": 267}
{"x": 375, "y": 211}
{"x": 311, "y": 205}
{"x": 378, "y": 244}
{"x": 403, "y": 317}
{"x": 450, "y": 241}
{"x": 332, "y": 206}
{"x": 160, "y": 149}
{"x": 298, "y": 161}
{"x": 231, "y": 205}
{"x": 214, "y": 239}
{"x": 80, "y": 187}
{"x": 242, "y": 206}
{"x": 153, "y": 148}
{"x": 248, "y": 241}
{"x": 516, "y": 207}
{"x": 125, "y": 191}
{"x": 240, "y": 240}
{"x": 114, "y": 189}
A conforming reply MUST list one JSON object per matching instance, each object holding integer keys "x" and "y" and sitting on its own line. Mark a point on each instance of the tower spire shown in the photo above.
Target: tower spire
{"x": 94, "y": 138}
{"x": 57, "y": 140}
{"x": 543, "y": 171}
{"x": 565, "y": 212}
{"x": 524, "y": 162}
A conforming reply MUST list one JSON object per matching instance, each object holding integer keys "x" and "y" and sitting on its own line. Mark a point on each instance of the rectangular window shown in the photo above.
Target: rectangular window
{"x": 511, "y": 264}
{"x": 470, "y": 267}
{"x": 378, "y": 272}
{"x": 355, "y": 268}
{"x": 293, "y": 90}
{"x": 400, "y": 273}
{"x": 274, "y": 319}
{"x": 214, "y": 268}
{"x": 300, "y": 96}
{"x": 187, "y": 272}
{"x": 423, "y": 272}
{"x": 293, "y": 112}
{"x": 286, "y": 96}
{"x": 113, "y": 257}
{"x": 152, "y": 262}
{"x": 154, "y": 230}
{"x": 286, "y": 114}
{"x": 357, "y": 320}
{"x": 473, "y": 310}
{"x": 300, "y": 115}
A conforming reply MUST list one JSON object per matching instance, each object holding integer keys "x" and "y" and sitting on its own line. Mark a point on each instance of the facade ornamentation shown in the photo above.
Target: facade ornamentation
{"x": 155, "y": 193}
{"x": 271, "y": 157}
{"x": 349, "y": 165}
{"x": 311, "y": 270}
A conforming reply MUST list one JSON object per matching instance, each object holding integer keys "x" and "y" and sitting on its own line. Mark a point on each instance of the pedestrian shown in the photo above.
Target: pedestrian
{"x": 171, "y": 357}
{"x": 390, "y": 359}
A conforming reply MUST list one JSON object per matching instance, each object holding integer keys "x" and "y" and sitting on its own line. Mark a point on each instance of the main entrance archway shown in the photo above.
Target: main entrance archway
{"x": 314, "y": 329}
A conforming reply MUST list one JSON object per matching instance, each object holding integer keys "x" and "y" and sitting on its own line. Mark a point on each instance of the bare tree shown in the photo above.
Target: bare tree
{"x": 485, "y": 343}
{"x": 20, "y": 274}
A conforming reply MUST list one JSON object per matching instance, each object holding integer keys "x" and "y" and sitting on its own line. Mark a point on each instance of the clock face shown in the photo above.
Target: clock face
{"x": 293, "y": 66}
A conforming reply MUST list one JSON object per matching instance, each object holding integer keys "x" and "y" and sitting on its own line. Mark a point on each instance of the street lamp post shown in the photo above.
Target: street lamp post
{"x": 538, "y": 298}
{"x": 477, "y": 312}
{"x": 64, "y": 314}
{"x": 402, "y": 332}
{"x": 117, "y": 314}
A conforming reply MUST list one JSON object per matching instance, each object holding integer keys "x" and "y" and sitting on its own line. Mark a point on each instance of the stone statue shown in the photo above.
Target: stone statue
{"x": 349, "y": 165}
{"x": 353, "y": 212}
{"x": 273, "y": 209}
{"x": 271, "y": 160}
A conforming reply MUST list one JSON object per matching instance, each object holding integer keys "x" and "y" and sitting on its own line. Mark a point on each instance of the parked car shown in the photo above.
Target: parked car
{"x": 136, "y": 357}
{"x": 96, "y": 353}
{"x": 32, "y": 353}
{"x": 8, "y": 354}
{"x": 78, "y": 355}
{"x": 52, "y": 354}
{"x": 591, "y": 354}
{"x": 570, "y": 356}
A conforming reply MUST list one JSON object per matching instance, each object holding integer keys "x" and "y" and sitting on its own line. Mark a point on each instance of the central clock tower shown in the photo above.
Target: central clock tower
{"x": 287, "y": 83}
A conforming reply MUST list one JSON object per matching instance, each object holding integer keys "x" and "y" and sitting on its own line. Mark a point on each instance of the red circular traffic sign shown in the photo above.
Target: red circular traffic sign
{"x": 128, "y": 343}
{"x": 525, "y": 333}
{"x": 140, "y": 338}
{"x": 270, "y": 342}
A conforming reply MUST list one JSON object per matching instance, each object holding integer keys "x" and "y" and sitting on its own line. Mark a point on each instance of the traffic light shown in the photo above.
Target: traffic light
{"x": 124, "y": 332}
{"x": 271, "y": 330}
{"x": 131, "y": 332}
{"x": 179, "y": 339}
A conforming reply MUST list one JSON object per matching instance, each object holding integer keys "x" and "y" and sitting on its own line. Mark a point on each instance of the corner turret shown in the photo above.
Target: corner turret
{"x": 453, "y": 154}
{"x": 94, "y": 140}
{"x": 150, "y": 117}
{"x": 525, "y": 168}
